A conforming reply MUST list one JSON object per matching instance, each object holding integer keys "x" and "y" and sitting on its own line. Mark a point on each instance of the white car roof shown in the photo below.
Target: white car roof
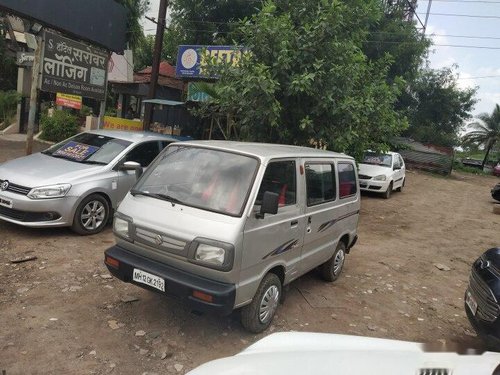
{"x": 133, "y": 136}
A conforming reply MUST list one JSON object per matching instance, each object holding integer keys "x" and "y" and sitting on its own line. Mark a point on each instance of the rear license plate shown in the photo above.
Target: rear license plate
{"x": 5, "y": 202}
{"x": 146, "y": 278}
{"x": 471, "y": 302}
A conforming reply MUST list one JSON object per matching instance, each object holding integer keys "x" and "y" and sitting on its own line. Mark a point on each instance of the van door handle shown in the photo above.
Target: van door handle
{"x": 294, "y": 223}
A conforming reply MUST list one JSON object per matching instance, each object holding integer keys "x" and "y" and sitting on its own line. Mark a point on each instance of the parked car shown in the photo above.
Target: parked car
{"x": 495, "y": 192}
{"x": 298, "y": 353}
{"x": 496, "y": 170}
{"x": 225, "y": 225}
{"x": 382, "y": 173}
{"x": 77, "y": 182}
{"x": 483, "y": 295}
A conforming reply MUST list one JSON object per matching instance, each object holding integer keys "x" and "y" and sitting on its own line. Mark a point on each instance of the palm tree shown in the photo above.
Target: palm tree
{"x": 486, "y": 132}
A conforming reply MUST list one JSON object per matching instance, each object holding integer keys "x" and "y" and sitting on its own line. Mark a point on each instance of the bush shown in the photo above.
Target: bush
{"x": 8, "y": 106}
{"x": 60, "y": 126}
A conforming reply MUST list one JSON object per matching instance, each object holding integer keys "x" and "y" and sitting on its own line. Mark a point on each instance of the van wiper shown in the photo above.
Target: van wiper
{"x": 164, "y": 197}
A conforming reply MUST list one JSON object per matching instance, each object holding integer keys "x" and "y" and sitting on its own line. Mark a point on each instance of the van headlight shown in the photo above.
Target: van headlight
{"x": 51, "y": 191}
{"x": 121, "y": 227}
{"x": 381, "y": 177}
{"x": 212, "y": 254}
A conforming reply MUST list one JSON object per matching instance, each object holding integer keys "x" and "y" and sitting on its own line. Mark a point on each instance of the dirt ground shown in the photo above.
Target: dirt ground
{"x": 61, "y": 313}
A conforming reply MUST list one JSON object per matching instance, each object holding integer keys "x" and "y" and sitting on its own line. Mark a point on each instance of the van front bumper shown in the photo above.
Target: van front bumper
{"x": 178, "y": 283}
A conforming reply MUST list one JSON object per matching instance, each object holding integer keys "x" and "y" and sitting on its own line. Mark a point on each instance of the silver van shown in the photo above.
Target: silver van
{"x": 225, "y": 225}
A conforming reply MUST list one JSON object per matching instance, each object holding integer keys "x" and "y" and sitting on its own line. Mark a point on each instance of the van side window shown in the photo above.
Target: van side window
{"x": 320, "y": 182}
{"x": 347, "y": 180}
{"x": 280, "y": 178}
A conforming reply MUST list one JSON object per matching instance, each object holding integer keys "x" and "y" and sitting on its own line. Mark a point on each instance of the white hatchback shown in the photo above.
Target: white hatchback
{"x": 382, "y": 173}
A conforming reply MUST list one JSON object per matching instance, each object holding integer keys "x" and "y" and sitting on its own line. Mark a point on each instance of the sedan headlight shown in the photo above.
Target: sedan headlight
{"x": 212, "y": 254}
{"x": 121, "y": 227}
{"x": 51, "y": 191}
{"x": 381, "y": 177}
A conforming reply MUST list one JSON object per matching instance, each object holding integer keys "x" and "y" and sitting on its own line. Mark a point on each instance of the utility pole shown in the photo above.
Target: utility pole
{"x": 34, "y": 96}
{"x": 155, "y": 68}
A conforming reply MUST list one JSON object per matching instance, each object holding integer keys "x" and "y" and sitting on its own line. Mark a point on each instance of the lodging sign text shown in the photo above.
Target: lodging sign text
{"x": 71, "y": 67}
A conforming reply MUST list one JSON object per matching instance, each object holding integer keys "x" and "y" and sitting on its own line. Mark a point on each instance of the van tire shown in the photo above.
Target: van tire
{"x": 268, "y": 294}
{"x": 388, "y": 192}
{"x": 94, "y": 202}
{"x": 331, "y": 270}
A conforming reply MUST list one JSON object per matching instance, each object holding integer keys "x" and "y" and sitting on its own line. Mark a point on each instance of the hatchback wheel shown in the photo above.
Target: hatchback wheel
{"x": 91, "y": 215}
{"x": 400, "y": 189}
{"x": 388, "y": 192}
{"x": 258, "y": 315}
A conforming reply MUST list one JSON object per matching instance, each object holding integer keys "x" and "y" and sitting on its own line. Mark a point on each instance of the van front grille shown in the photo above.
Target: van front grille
{"x": 434, "y": 371}
{"x": 158, "y": 240}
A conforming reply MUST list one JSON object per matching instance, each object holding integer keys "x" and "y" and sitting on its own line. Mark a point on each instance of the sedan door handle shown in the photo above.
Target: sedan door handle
{"x": 294, "y": 223}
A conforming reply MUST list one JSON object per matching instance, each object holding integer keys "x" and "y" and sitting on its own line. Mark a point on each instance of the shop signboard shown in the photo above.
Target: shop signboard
{"x": 116, "y": 123}
{"x": 72, "y": 67}
{"x": 192, "y": 61}
{"x": 69, "y": 101}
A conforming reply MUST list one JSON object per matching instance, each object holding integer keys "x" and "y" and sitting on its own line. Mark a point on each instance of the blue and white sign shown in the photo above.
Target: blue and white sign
{"x": 191, "y": 60}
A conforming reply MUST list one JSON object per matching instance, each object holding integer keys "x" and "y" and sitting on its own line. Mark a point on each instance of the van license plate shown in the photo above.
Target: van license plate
{"x": 5, "y": 202}
{"x": 144, "y": 277}
{"x": 471, "y": 302}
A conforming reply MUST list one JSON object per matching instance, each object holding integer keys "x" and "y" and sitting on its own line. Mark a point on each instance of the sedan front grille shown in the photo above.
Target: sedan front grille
{"x": 18, "y": 189}
{"x": 487, "y": 305}
{"x": 364, "y": 177}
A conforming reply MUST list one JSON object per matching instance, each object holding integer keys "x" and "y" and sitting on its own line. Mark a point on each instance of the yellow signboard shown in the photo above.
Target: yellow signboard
{"x": 116, "y": 123}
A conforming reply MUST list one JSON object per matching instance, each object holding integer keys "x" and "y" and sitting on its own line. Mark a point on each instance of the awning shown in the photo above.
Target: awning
{"x": 162, "y": 102}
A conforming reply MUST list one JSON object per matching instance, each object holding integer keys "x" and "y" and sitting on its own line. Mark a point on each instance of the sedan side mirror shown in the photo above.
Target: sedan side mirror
{"x": 269, "y": 204}
{"x": 132, "y": 166}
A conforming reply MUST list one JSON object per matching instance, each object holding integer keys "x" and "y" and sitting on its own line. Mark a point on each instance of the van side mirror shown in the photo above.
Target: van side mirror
{"x": 132, "y": 166}
{"x": 397, "y": 167}
{"x": 269, "y": 204}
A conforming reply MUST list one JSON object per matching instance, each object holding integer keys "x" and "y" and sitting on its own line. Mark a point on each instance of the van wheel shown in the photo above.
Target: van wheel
{"x": 91, "y": 216}
{"x": 331, "y": 270}
{"x": 258, "y": 315}
{"x": 400, "y": 189}
{"x": 388, "y": 192}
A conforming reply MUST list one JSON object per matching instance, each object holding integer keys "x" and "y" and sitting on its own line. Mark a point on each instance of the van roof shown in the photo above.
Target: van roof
{"x": 266, "y": 151}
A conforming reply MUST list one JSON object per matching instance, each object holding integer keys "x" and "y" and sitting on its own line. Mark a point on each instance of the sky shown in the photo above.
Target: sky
{"x": 452, "y": 23}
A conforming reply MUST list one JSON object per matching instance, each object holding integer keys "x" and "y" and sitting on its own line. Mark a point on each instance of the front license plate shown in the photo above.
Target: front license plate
{"x": 144, "y": 277}
{"x": 471, "y": 302}
{"x": 5, "y": 202}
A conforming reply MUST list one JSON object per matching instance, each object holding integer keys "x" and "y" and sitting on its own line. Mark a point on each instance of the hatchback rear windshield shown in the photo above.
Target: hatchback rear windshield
{"x": 208, "y": 179}
{"x": 88, "y": 148}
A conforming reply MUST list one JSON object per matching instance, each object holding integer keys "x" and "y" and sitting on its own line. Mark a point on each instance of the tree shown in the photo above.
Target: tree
{"x": 307, "y": 80}
{"x": 135, "y": 10}
{"x": 486, "y": 132}
{"x": 437, "y": 107}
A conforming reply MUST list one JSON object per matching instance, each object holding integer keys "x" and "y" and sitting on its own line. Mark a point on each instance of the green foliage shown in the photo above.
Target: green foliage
{"x": 458, "y": 166}
{"x": 8, "y": 106}
{"x": 135, "y": 10}
{"x": 437, "y": 107}
{"x": 60, "y": 126}
{"x": 307, "y": 80}
{"x": 486, "y": 132}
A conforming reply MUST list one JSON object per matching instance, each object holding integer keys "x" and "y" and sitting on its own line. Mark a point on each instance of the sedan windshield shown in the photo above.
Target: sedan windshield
{"x": 88, "y": 148}
{"x": 198, "y": 177}
{"x": 384, "y": 160}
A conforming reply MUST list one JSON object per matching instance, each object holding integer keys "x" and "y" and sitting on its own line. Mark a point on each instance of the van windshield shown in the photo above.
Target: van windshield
{"x": 208, "y": 179}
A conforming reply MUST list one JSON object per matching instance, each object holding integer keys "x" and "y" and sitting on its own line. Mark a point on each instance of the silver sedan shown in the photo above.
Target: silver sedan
{"x": 78, "y": 182}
